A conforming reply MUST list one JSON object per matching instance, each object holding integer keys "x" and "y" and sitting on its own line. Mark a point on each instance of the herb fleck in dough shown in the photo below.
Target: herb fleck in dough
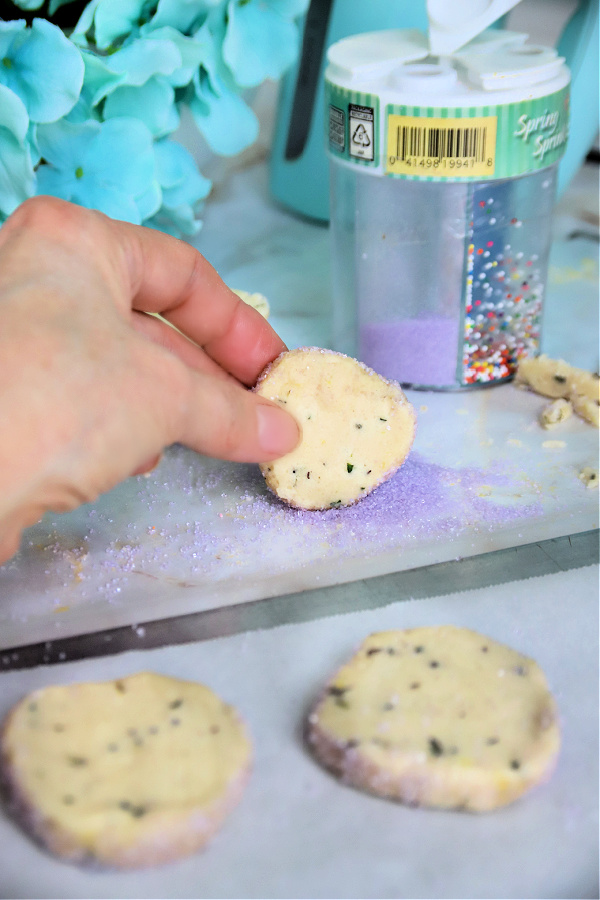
{"x": 357, "y": 428}
{"x": 125, "y": 773}
{"x": 440, "y": 717}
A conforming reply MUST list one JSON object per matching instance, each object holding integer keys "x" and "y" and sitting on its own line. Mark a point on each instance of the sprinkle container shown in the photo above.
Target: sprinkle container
{"x": 443, "y": 182}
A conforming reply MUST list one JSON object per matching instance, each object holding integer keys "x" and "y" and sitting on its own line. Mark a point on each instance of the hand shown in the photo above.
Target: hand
{"x": 91, "y": 387}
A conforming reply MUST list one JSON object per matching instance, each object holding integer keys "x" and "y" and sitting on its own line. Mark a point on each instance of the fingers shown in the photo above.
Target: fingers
{"x": 170, "y": 277}
{"x": 151, "y": 272}
{"x": 161, "y": 333}
{"x": 224, "y": 420}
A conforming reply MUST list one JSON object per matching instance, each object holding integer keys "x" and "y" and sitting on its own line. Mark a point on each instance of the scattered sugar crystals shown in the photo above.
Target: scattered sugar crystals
{"x": 197, "y": 522}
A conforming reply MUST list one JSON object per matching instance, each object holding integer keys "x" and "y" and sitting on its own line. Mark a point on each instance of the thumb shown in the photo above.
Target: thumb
{"x": 225, "y": 420}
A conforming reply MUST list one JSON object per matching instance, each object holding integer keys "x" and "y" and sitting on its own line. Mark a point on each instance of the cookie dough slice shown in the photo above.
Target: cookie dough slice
{"x": 124, "y": 773}
{"x": 357, "y": 428}
{"x": 438, "y": 717}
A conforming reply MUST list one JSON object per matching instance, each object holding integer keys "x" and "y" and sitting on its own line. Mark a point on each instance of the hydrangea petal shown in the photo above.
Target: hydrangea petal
{"x": 152, "y": 103}
{"x": 192, "y": 49}
{"x": 290, "y": 8}
{"x": 226, "y": 122}
{"x": 122, "y": 154}
{"x": 56, "y": 183}
{"x": 46, "y": 71}
{"x": 13, "y": 115}
{"x": 108, "y": 199}
{"x": 174, "y": 163}
{"x": 178, "y": 175}
{"x": 17, "y": 178}
{"x": 28, "y": 4}
{"x": 98, "y": 79}
{"x": 149, "y": 202}
{"x": 8, "y": 33}
{"x": 85, "y": 22}
{"x": 259, "y": 42}
{"x": 184, "y": 15}
{"x": 177, "y": 221}
{"x": 144, "y": 58}
{"x": 56, "y": 4}
{"x": 114, "y": 19}
{"x": 65, "y": 144}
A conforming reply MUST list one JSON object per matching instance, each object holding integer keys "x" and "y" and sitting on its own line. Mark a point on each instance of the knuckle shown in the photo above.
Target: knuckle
{"x": 52, "y": 218}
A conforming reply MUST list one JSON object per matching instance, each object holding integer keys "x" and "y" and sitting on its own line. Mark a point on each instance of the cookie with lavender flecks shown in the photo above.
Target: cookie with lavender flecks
{"x": 437, "y": 716}
{"x": 356, "y": 428}
{"x": 123, "y": 774}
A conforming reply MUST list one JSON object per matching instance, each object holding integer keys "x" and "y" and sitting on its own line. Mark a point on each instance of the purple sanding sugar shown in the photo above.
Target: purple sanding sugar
{"x": 211, "y": 521}
{"x": 413, "y": 351}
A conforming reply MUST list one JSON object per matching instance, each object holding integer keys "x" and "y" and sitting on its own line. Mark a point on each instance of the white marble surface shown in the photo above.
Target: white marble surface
{"x": 298, "y": 833}
{"x": 199, "y": 534}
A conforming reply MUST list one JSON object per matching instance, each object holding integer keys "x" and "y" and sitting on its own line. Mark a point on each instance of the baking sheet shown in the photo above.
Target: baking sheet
{"x": 298, "y": 832}
{"x": 201, "y": 534}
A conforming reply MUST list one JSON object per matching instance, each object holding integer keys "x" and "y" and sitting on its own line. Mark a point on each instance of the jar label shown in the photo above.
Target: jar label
{"x": 353, "y": 125}
{"x": 447, "y": 143}
{"x": 476, "y": 143}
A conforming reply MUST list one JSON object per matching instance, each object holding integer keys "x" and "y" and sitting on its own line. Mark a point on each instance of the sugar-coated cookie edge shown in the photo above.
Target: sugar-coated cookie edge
{"x": 415, "y": 786}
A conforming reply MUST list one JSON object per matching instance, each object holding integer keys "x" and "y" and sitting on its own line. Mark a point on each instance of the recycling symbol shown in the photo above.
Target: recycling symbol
{"x": 361, "y": 137}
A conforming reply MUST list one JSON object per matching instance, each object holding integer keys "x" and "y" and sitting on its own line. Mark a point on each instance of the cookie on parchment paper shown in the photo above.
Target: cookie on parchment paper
{"x": 357, "y": 428}
{"x": 439, "y": 717}
{"x": 126, "y": 773}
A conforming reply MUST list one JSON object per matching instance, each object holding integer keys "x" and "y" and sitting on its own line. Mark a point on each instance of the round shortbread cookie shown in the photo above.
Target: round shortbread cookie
{"x": 437, "y": 716}
{"x": 357, "y": 428}
{"x": 126, "y": 773}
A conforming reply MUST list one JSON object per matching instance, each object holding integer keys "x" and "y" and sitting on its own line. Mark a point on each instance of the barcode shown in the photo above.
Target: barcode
{"x": 436, "y": 147}
{"x": 441, "y": 143}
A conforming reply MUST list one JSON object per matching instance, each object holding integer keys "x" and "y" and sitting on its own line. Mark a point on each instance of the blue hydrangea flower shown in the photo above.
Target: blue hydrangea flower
{"x": 183, "y": 189}
{"x": 41, "y": 66}
{"x": 108, "y": 166}
{"x": 17, "y": 179}
{"x": 261, "y": 38}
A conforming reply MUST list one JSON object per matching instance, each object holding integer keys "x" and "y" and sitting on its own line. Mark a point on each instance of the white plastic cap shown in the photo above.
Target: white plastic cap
{"x": 453, "y": 24}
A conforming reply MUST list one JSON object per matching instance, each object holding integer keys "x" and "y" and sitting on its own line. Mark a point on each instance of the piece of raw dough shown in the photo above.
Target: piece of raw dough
{"x": 556, "y": 378}
{"x": 437, "y": 716}
{"x": 555, "y": 413}
{"x": 257, "y": 301}
{"x": 125, "y": 773}
{"x": 357, "y": 428}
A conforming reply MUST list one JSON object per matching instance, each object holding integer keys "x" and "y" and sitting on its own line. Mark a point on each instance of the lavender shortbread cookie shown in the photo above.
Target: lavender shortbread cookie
{"x": 126, "y": 773}
{"x": 357, "y": 428}
{"x": 439, "y": 717}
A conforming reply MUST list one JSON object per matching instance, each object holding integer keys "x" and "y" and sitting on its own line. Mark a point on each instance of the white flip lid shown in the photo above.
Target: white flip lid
{"x": 453, "y": 24}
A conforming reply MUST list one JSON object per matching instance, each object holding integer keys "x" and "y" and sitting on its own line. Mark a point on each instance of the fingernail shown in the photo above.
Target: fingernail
{"x": 278, "y": 432}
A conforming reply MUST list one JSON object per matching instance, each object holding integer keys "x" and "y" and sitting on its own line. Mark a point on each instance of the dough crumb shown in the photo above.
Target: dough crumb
{"x": 257, "y": 301}
{"x": 555, "y": 413}
{"x": 589, "y": 476}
